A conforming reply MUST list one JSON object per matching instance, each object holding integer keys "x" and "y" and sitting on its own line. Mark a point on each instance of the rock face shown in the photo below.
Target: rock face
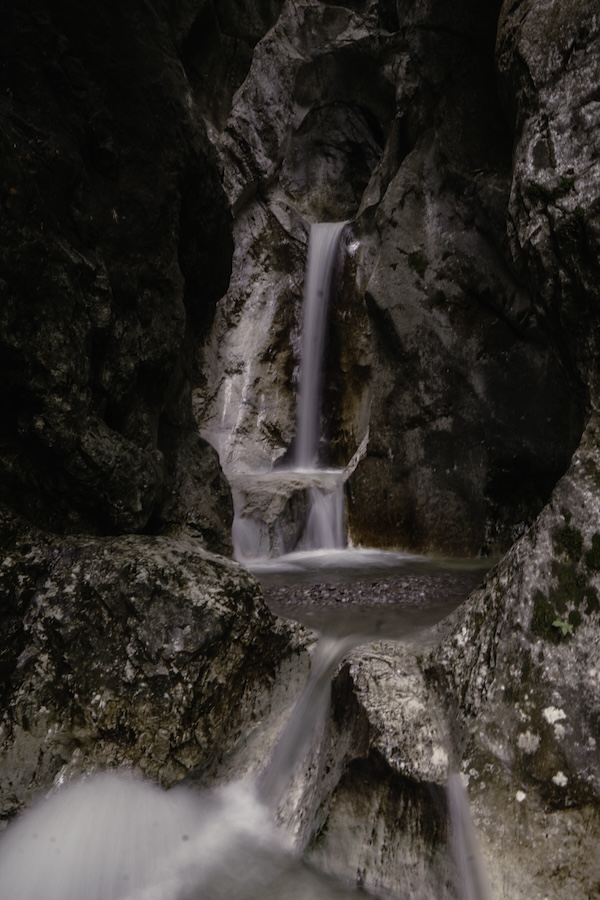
{"x": 444, "y": 366}
{"x": 520, "y": 670}
{"x": 115, "y": 242}
{"x": 385, "y": 823}
{"x": 140, "y": 651}
{"x": 126, "y": 639}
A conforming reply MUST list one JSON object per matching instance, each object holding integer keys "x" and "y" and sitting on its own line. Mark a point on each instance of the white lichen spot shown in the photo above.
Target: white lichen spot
{"x": 129, "y": 672}
{"x": 559, "y": 731}
{"x": 552, "y": 714}
{"x": 560, "y": 779}
{"x": 462, "y": 637}
{"x": 520, "y": 796}
{"x": 528, "y": 742}
{"x": 439, "y": 757}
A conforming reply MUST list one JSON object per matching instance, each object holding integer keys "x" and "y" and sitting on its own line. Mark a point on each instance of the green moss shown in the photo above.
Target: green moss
{"x": 538, "y": 192}
{"x": 592, "y": 600}
{"x": 592, "y": 557}
{"x": 547, "y": 194}
{"x": 557, "y": 615}
{"x": 544, "y": 615}
{"x": 566, "y": 183}
{"x": 568, "y": 540}
{"x": 418, "y": 262}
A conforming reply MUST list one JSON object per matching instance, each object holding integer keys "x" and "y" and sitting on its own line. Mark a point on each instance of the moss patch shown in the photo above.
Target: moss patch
{"x": 544, "y": 614}
{"x": 569, "y": 541}
{"x": 592, "y": 557}
{"x": 557, "y": 615}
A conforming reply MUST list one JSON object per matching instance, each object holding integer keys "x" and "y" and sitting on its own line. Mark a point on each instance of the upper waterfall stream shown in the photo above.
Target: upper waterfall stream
{"x": 322, "y": 254}
{"x": 301, "y": 507}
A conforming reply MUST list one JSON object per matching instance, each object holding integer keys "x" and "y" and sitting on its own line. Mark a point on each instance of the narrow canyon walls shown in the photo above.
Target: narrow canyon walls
{"x": 445, "y": 366}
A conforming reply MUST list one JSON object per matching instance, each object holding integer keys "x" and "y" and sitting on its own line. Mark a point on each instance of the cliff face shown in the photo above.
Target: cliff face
{"x": 116, "y": 244}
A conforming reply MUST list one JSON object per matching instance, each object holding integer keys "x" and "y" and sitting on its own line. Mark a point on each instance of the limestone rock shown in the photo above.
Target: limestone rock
{"x": 148, "y": 652}
{"x": 384, "y": 821}
{"x": 520, "y": 669}
{"x": 455, "y": 376}
{"x": 472, "y": 417}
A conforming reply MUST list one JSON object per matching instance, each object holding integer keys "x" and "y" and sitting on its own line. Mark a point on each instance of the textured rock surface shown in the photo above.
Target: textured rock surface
{"x": 382, "y": 817}
{"x": 302, "y": 137}
{"x": 142, "y": 651}
{"x": 115, "y": 244}
{"x": 549, "y": 61}
{"x": 521, "y": 671}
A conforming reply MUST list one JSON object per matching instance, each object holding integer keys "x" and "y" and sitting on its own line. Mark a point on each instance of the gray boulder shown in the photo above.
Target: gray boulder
{"x": 144, "y": 652}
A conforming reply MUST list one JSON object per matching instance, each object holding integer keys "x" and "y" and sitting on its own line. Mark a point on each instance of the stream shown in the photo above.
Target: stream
{"x": 113, "y": 836}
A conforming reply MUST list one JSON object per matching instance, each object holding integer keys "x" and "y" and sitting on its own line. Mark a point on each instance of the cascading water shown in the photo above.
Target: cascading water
{"x": 114, "y": 836}
{"x": 325, "y": 519}
{"x": 322, "y": 255}
{"x": 317, "y": 520}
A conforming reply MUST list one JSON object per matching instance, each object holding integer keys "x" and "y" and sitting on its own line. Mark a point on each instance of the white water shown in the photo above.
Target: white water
{"x": 324, "y": 523}
{"x": 117, "y": 837}
{"x": 114, "y": 836}
{"x": 322, "y": 253}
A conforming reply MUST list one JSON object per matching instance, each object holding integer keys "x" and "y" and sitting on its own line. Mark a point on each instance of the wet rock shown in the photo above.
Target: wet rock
{"x": 384, "y": 822}
{"x": 469, "y": 396}
{"x": 319, "y": 95}
{"x": 465, "y": 444}
{"x": 548, "y": 58}
{"x": 454, "y": 386}
{"x": 140, "y": 651}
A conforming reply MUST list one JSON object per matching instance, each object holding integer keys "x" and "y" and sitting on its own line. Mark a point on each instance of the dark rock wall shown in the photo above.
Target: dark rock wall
{"x": 115, "y": 245}
{"x": 477, "y": 401}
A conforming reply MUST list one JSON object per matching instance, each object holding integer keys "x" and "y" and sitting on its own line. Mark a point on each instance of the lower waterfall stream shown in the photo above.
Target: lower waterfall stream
{"x": 113, "y": 836}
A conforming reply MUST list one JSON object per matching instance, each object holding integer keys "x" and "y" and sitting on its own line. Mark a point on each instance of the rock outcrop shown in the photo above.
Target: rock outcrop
{"x": 126, "y": 638}
{"x": 139, "y": 651}
{"x": 520, "y": 673}
{"x": 116, "y": 243}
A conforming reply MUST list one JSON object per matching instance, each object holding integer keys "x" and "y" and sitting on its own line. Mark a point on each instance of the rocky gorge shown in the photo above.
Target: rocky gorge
{"x": 161, "y": 166}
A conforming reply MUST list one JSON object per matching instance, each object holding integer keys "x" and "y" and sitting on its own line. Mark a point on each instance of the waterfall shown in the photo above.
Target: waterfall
{"x": 301, "y": 508}
{"x": 308, "y": 712}
{"x": 322, "y": 254}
